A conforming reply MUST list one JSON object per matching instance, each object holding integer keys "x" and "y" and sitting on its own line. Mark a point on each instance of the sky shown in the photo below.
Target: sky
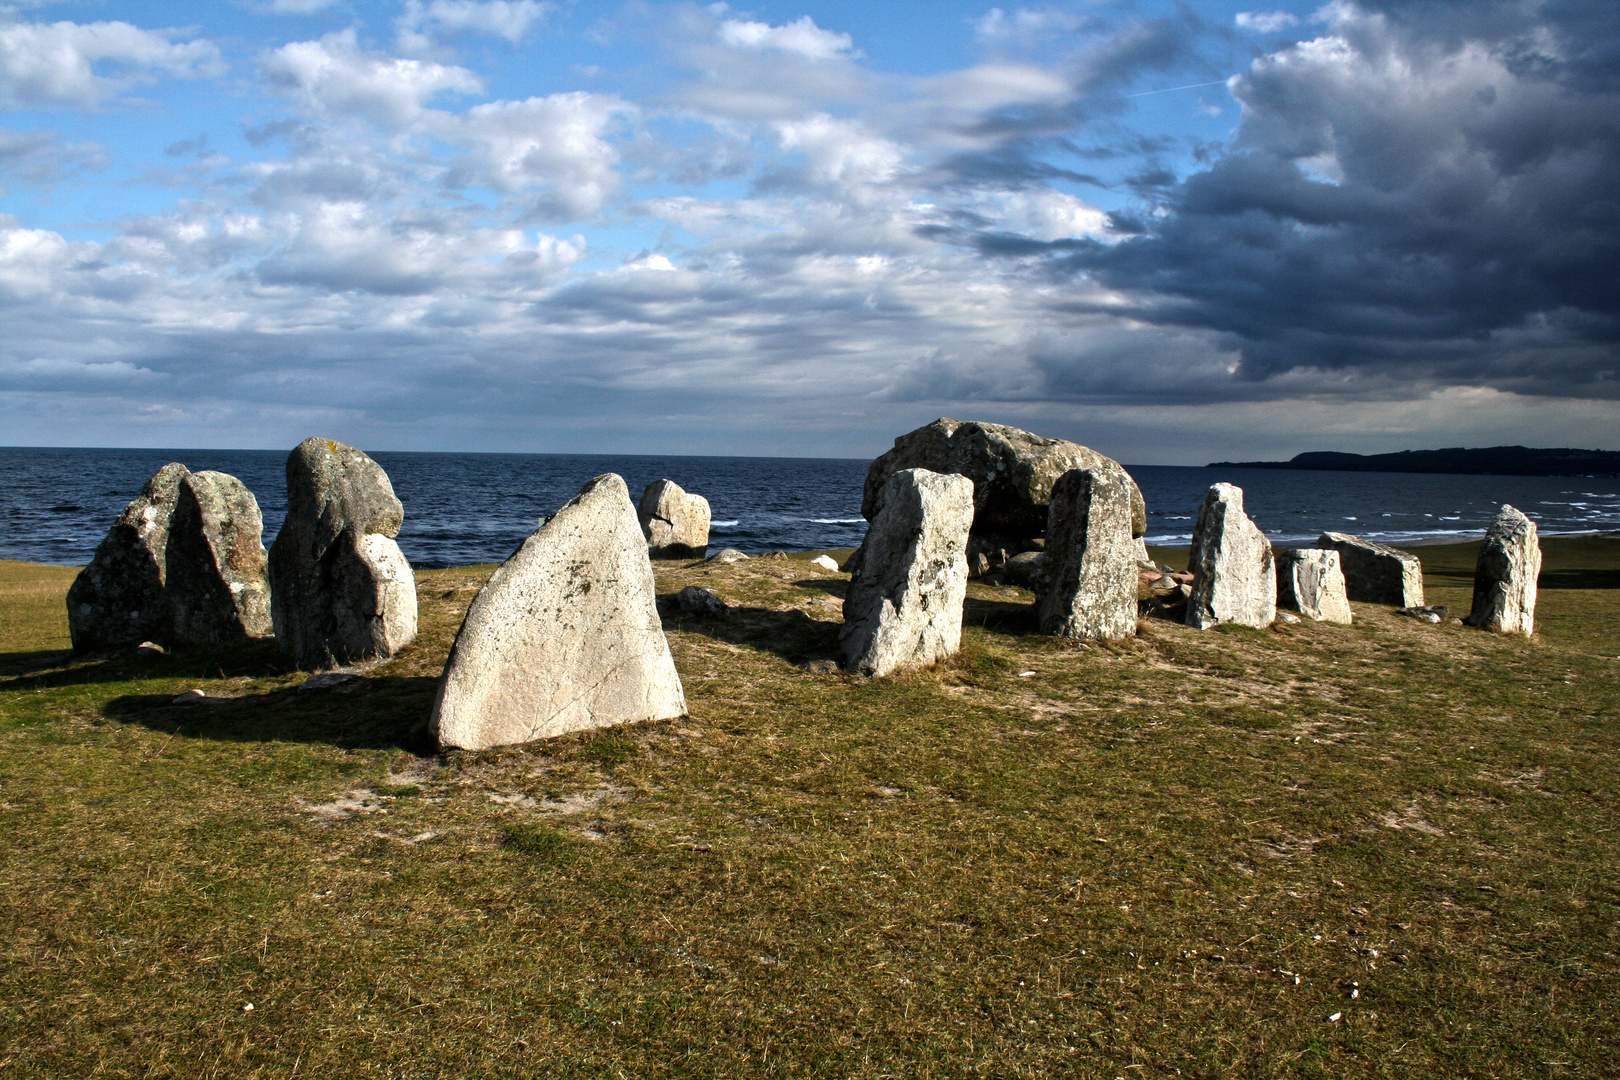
{"x": 1173, "y": 231}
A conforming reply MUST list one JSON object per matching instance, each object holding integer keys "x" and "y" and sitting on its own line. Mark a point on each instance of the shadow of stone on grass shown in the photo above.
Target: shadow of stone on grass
{"x": 381, "y": 713}
{"x": 792, "y": 635}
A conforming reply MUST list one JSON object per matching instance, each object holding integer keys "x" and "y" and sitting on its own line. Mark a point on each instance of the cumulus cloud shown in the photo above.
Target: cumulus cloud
{"x": 335, "y": 77}
{"x": 422, "y": 25}
{"x": 1266, "y": 22}
{"x": 1429, "y": 198}
{"x": 83, "y": 64}
{"x": 801, "y": 37}
{"x": 554, "y": 147}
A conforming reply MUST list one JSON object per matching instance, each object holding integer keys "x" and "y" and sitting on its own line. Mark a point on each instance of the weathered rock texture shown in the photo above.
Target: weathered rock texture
{"x": 1012, "y": 472}
{"x": 904, "y": 605}
{"x": 1090, "y": 560}
{"x": 1505, "y": 576}
{"x": 341, "y": 590}
{"x": 118, "y": 598}
{"x": 183, "y": 564}
{"x": 1310, "y": 582}
{"x": 563, "y": 637}
{"x": 216, "y": 582}
{"x": 1374, "y": 573}
{"x": 675, "y": 523}
{"x": 1234, "y": 575}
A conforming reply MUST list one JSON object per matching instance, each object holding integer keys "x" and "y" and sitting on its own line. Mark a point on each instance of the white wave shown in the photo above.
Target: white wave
{"x": 723, "y": 524}
{"x": 837, "y": 521}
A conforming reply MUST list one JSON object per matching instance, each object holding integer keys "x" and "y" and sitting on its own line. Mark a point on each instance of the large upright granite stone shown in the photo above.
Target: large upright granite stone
{"x": 1374, "y": 573}
{"x": 217, "y": 584}
{"x": 1012, "y": 472}
{"x": 1234, "y": 575}
{"x": 675, "y": 523}
{"x": 1090, "y": 558}
{"x": 904, "y": 605}
{"x": 118, "y": 598}
{"x": 563, "y": 637}
{"x": 1505, "y": 576}
{"x": 1310, "y": 582}
{"x": 341, "y": 590}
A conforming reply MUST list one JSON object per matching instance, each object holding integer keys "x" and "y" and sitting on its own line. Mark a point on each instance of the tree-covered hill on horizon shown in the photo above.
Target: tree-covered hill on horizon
{"x": 1491, "y": 460}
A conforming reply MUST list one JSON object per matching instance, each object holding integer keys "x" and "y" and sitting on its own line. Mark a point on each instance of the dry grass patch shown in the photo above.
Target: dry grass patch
{"x": 1181, "y": 855}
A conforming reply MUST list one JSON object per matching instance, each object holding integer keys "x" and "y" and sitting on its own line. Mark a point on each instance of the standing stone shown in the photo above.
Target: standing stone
{"x": 1505, "y": 576}
{"x": 1012, "y": 472}
{"x": 564, "y": 636}
{"x": 904, "y": 605}
{"x": 1234, "y": 577}
{"x": 675, "y": 523}
{"x": 1374, "y": 573}
{"x": 216, "y": 582}
{"x": 118, "y": 598}
{"x": 1310, "y": 582}
{"x": 1090, "y": 558}
{"x": 341, "y": 590}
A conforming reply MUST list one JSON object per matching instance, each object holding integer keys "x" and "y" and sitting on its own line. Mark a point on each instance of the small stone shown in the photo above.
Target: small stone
{"x": 1027, "y": 568}
{"x": 825, "y": 562}
{"x": 1376, "y": 573}
{"x": 326, "y": 680}
{"x": 904, "y": 607}
{"x": 700, "y": 601}
{"x": 565, "y": 636}
{"x": 675, "y": 523}
{"x": 149, "y": 648}
{"x": 1505, "y": 575}
{"x": 1435, "y": 615}
{"x": 1287, "y": 618}
{"x": 1234, "y": 575}
{"x": 726, "y": 555}
{"x": 190, "y": 697}
{"x": 819, "y": 667}
{"x": 776, "y": 555}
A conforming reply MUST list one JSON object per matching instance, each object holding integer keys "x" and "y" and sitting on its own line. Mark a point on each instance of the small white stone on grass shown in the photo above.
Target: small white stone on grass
{"x": 825, "y": 563}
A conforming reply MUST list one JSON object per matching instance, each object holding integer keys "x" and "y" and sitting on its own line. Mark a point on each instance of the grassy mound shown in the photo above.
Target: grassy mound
{"x": 1378, "y": 850}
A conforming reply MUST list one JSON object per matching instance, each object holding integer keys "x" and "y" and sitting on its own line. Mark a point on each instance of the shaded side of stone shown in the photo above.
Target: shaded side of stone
{"x": 565, "y": 635}
{"x": 1376, "y": 573}
{"x": 675, "y": 522}
{"x": 118, "y": 598}
{"x": 341, "y": 590}
{"x": 1090, "y": 558}
{"x": 1310, "y": 582}
{"x": 904, "y": 605}
{"x": 1012, "y": 470}
{"x": 1234, "y": 573}
{"x": 1505, "y": 575}
{"x": 217, "y": 579}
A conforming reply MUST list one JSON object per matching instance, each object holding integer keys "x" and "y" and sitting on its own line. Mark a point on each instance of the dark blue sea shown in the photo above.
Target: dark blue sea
{"x": 460, "y": 509}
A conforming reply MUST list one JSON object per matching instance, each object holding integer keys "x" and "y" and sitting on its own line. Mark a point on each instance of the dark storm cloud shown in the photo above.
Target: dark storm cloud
{"x": 1430, "y": 193}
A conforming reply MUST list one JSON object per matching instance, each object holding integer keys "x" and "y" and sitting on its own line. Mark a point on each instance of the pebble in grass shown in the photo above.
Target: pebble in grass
{"x": 565, "y": 635}
{"x": 904, "y": 607}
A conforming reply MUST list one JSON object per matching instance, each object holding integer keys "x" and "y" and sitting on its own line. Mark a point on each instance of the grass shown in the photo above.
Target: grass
{"x": 1179, "y": 855}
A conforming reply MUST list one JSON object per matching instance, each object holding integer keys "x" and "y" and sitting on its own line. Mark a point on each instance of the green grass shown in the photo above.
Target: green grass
{"x": 1177, "y": 855}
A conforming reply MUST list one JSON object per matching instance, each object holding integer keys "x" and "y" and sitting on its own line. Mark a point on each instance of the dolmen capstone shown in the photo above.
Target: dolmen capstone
{"x": 904, "y": 604}
{"x": 1310, "y": 582}
{"x": 184, "y": 564}
{"x": 565, "y": 635}
{"x": 341, "y": 590}
{"x": 1013, "y": 472}
{"x": 675, "y": 523}
{"x": 1090, "y": 559}
{"x": 1374, "y": 573}
{"x": 1234, "y": 574}
{"x": 1505, "y": 575}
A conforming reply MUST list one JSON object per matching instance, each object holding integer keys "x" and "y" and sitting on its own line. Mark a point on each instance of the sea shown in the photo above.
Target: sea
{"x": 463, "y": 509}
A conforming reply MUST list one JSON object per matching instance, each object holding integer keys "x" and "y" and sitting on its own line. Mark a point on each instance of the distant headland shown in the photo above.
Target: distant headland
{"x": 1489, "y": 460}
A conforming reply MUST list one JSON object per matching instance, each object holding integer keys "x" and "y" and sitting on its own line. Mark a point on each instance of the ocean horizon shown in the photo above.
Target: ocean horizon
{"x": 464, "y": 508}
